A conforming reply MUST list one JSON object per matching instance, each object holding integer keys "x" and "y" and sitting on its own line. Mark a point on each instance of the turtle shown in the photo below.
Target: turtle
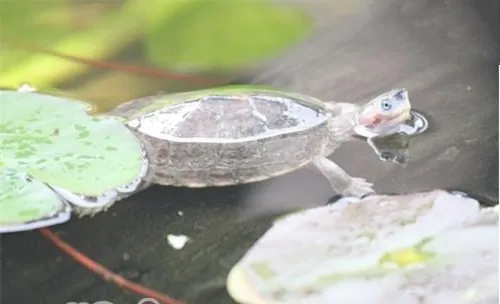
{"x": 232, "y": 135}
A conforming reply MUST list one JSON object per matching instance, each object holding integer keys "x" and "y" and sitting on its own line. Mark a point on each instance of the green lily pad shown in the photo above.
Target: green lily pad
{"x": 395, "y": 249}
{"x": 224, "y": 34}
{"x": 27, "y": 204}
{"x": 56, "y": 142}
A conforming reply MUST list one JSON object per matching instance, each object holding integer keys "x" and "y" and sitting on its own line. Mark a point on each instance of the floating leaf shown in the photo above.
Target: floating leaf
{"x": 28, "y": 204}
{"x": 56, "y": 142}
{"x": 395, "y": 249}
{"x": 224, "y": 34}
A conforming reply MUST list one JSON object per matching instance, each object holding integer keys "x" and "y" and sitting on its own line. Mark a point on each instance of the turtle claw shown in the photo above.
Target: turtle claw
{"x": 358, "y": 188}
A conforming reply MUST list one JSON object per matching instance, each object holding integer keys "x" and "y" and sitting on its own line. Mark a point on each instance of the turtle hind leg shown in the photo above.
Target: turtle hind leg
{"x": 340, "y": 181}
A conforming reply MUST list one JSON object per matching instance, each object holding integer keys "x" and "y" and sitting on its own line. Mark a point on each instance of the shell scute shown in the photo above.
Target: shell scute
{"x": 226, "y": 139}
{"x": 230, "y": 118}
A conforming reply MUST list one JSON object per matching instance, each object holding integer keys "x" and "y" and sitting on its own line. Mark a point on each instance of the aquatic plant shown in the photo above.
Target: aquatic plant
{"x": 431, "y": 247}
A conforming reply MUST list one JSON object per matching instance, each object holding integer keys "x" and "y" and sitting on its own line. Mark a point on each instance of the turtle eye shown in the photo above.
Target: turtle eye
{"x": 386, "y": 105}
{"x": 386, "y": 156}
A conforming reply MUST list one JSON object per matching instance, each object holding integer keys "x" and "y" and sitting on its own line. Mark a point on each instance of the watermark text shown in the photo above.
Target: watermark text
{"x": 142, "y": 301}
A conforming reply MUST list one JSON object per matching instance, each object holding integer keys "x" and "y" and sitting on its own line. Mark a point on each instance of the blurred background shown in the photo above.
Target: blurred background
{"x": 445, "y": 52}
{"x": 213, "y": 41}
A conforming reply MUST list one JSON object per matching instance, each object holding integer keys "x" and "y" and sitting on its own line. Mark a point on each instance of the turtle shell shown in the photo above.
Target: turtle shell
{"x": 229, "y": 137}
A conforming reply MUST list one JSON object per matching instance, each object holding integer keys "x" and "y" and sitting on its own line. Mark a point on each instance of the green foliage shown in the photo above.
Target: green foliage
{"x": 222, "y": 34}
{"x": 103, "y": 36}
{"x": 56, "y": 142}
{"x": 46, "y": 142}
{"x": 33, "y": 22}
{"x": 28, "y": 204}
{"x": 23, "y": 200}
{"x": 181, "y": 34}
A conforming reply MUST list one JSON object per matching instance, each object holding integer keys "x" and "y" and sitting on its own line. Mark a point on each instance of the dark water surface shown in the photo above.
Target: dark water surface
{"x": 444, "y": 52}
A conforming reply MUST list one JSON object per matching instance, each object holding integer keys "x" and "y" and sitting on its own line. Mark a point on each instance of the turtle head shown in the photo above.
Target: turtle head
{"x": 385, "y": 111}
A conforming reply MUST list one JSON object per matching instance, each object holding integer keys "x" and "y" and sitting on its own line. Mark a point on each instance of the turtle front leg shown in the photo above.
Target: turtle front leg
{"x": 341, "y": 181}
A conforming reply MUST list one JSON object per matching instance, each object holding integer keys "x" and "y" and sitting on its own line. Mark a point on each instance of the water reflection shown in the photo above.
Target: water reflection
{"x": 391, "y": 148}
{"x": 395, "y": 147}
{"x": 417, "y": 124}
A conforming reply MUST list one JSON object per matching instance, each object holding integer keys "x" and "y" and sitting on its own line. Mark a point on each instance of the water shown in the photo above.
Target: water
{"x": 436, "y": 51}
{"x": 395, "y": 146}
